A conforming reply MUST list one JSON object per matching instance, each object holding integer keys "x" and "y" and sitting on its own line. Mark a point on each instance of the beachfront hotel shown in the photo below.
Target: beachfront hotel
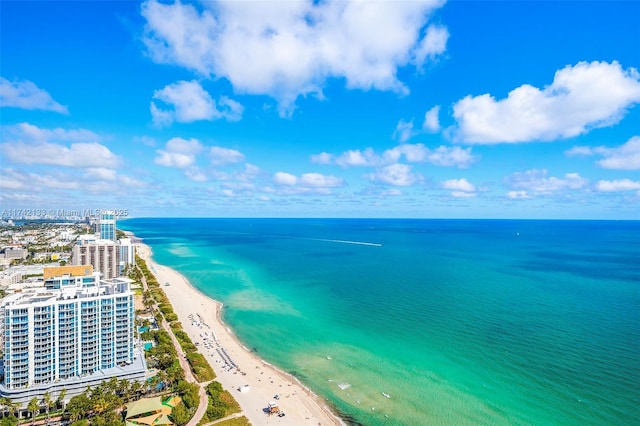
{"x": 71, "y": 334}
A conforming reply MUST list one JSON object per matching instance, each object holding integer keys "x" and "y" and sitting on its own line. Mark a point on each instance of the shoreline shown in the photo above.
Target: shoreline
{"x": 201, "y": 318}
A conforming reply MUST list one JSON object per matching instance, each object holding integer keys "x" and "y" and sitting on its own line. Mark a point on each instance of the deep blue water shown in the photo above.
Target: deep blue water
{"x": 459, "y": 321}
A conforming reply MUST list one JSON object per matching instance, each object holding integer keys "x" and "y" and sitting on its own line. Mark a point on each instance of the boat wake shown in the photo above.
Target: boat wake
{"x": 360, "y": 243}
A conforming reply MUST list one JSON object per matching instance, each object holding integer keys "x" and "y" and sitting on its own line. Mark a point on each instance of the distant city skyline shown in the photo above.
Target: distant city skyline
{"x": 421, "y": 109}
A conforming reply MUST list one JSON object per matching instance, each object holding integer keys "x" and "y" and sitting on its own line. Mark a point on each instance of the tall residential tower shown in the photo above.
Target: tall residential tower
{"x": 73, "y": 334}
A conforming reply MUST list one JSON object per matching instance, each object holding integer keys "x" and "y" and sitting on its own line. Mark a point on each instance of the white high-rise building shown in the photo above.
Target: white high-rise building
{"x": 127, "y": 253}
{"x": 68, "y": 338}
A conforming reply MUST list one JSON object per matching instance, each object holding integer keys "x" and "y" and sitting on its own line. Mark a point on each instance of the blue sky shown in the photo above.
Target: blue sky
{"x": 322, "y": 109}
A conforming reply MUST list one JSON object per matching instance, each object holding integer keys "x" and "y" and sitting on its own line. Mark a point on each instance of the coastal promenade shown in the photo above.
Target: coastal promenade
{"x": 252, "y": 381}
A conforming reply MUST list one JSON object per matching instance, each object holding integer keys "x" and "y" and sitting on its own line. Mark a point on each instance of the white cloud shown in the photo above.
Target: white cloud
{"x": 26, "y": 95}
{"x": 404, "y": 131}
{"x": 462, "y": 194}
{"x": 320, "y": 181}
{"x": 220, "y": 156}
{"x": 444, "y": 156}
{"x": 518, "y": 195}
{"x": 432, "y": 120}
{"x": 195, "y": 174}
{"x": 184, "y": 146}
{"x": 617, "y": 185}
{"x": 356, "y": 157}
{"x": 24, "y": 140}
{"x": 391, "y": 192}
{"x": 289, "y": 49}
{"x": 93, "y": 180}
{"x": 174, "y": 159}
{"x": 460, "y": 188}
{"x": 461, "y": 185}
{"x": 396, "y": 175}
{"x": 179, "y": 152}
{"x": 283, "y": 178}
{"x": 14, "y": 179}
{"x": 451, "y": 157}
{"x": 307, "y": 183}
{"x": 537, "y": 182}
{"x": 580, "y": 98}
{"x": 433, "y": 44}
{"x": 145, "y": 140}
{"x": 624, "y": 157}
{"x": 188, "y": 102}
{"x": 29, "y": 133}
{"x": 322, "y": 158}
{"x": 100, "y": 173}
{"x": 579, "y": 151}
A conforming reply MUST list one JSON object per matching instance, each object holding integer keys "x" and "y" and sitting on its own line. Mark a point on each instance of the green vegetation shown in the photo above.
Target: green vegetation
{"x": 238, "y": 421}
{"x": 156, "y": 296}
{"x": 221, "y": 403}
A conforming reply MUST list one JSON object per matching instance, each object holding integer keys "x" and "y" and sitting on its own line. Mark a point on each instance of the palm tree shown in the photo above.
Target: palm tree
{"x": 61, "y": 395}
{"x": 33, "y": 407}
{"x": 47, "y": 401}
{"x": 15, "y": 408}
{"x": 5, "y": 402}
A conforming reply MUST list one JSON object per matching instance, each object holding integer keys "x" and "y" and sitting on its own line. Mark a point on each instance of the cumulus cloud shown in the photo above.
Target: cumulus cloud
{"x": 220, "y": 156}
{"x": 624, "y": 157}
{"x": 444, "y": 156}
{"x": 283, "y": 178}
{"x": 317, "y": 180}
{"x": 290, "y": 49}
{"x": 100, "y": 173}
{"x": 106, "y": 180}
{"x": 433, "y": 44}
{"x": 23, "y": 140}
{"x": 307, "y": 183}
{"x": 617, "y": 185}
{"x": 15, "y": 179}
{"x": 579, "y": 151}
{"x": 180, "y": 153}
{"x": 536, "y": 182}
{"x": 460, "y": 188}
{"x": 322, "y": 158}
{"x": 396, "y": 175}
{"x": 187, "y": 101}
{"x": 404, "y": 131}
{"x": 26, "y": 95}
{"x": 459, "y": 185}
{"x": 518, "y": 195}
{"x": 580, "y": 98}
{"x": 432, "y": 120}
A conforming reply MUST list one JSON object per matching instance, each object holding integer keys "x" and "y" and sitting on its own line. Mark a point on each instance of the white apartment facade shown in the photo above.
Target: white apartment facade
{"x": 68, "y": 338}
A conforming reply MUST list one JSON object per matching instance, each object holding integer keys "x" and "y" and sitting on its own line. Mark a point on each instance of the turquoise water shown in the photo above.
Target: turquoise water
{"x": 457, "y": 321}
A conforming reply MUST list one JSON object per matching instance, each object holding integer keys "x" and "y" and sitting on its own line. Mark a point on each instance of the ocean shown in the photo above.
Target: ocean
{"x": 420, "y": 322}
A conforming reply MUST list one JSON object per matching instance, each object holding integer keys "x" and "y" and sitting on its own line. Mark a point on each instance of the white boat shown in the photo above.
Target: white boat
{"x": 386, "y": 395}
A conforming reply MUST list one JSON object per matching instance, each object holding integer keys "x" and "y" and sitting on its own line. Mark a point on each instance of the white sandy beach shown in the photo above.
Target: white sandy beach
{"x": 300, "y": 405}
